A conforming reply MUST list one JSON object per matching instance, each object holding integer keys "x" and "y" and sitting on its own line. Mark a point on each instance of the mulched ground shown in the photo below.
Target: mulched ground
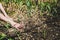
{"x": 51, "y": 31}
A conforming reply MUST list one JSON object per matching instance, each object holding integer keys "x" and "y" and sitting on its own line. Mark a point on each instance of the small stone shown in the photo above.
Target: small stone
{"x": 57, "y": 34}
{"x": 51, "y": 30}
{"x": 52, "y": 35}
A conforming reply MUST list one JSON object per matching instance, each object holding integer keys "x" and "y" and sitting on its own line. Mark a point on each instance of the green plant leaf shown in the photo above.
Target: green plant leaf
{"x": 28, "y": 3}
{"x": 10, "y": 39}
{"x": 2, "y": 35}
{"x": 48, "y": 8}
{"x": 6, "y": 1}
{"x": 7, "y": 25}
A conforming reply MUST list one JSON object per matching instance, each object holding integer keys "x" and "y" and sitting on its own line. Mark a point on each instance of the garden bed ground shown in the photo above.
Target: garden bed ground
{"x": 38, "y": 25}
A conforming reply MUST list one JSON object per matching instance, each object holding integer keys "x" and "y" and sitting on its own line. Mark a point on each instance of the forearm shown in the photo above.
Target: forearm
{"x": 2, "y": 17}
{"x": 2, "y": 9}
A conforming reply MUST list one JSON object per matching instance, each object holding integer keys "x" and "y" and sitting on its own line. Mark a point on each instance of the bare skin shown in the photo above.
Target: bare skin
{"x": 6, "y": 18}
{"x": 5, "y": 14}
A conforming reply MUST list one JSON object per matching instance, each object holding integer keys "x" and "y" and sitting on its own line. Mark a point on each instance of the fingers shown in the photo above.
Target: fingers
{"x": 19, "y": 26}
{"x": 22, "y": 24}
